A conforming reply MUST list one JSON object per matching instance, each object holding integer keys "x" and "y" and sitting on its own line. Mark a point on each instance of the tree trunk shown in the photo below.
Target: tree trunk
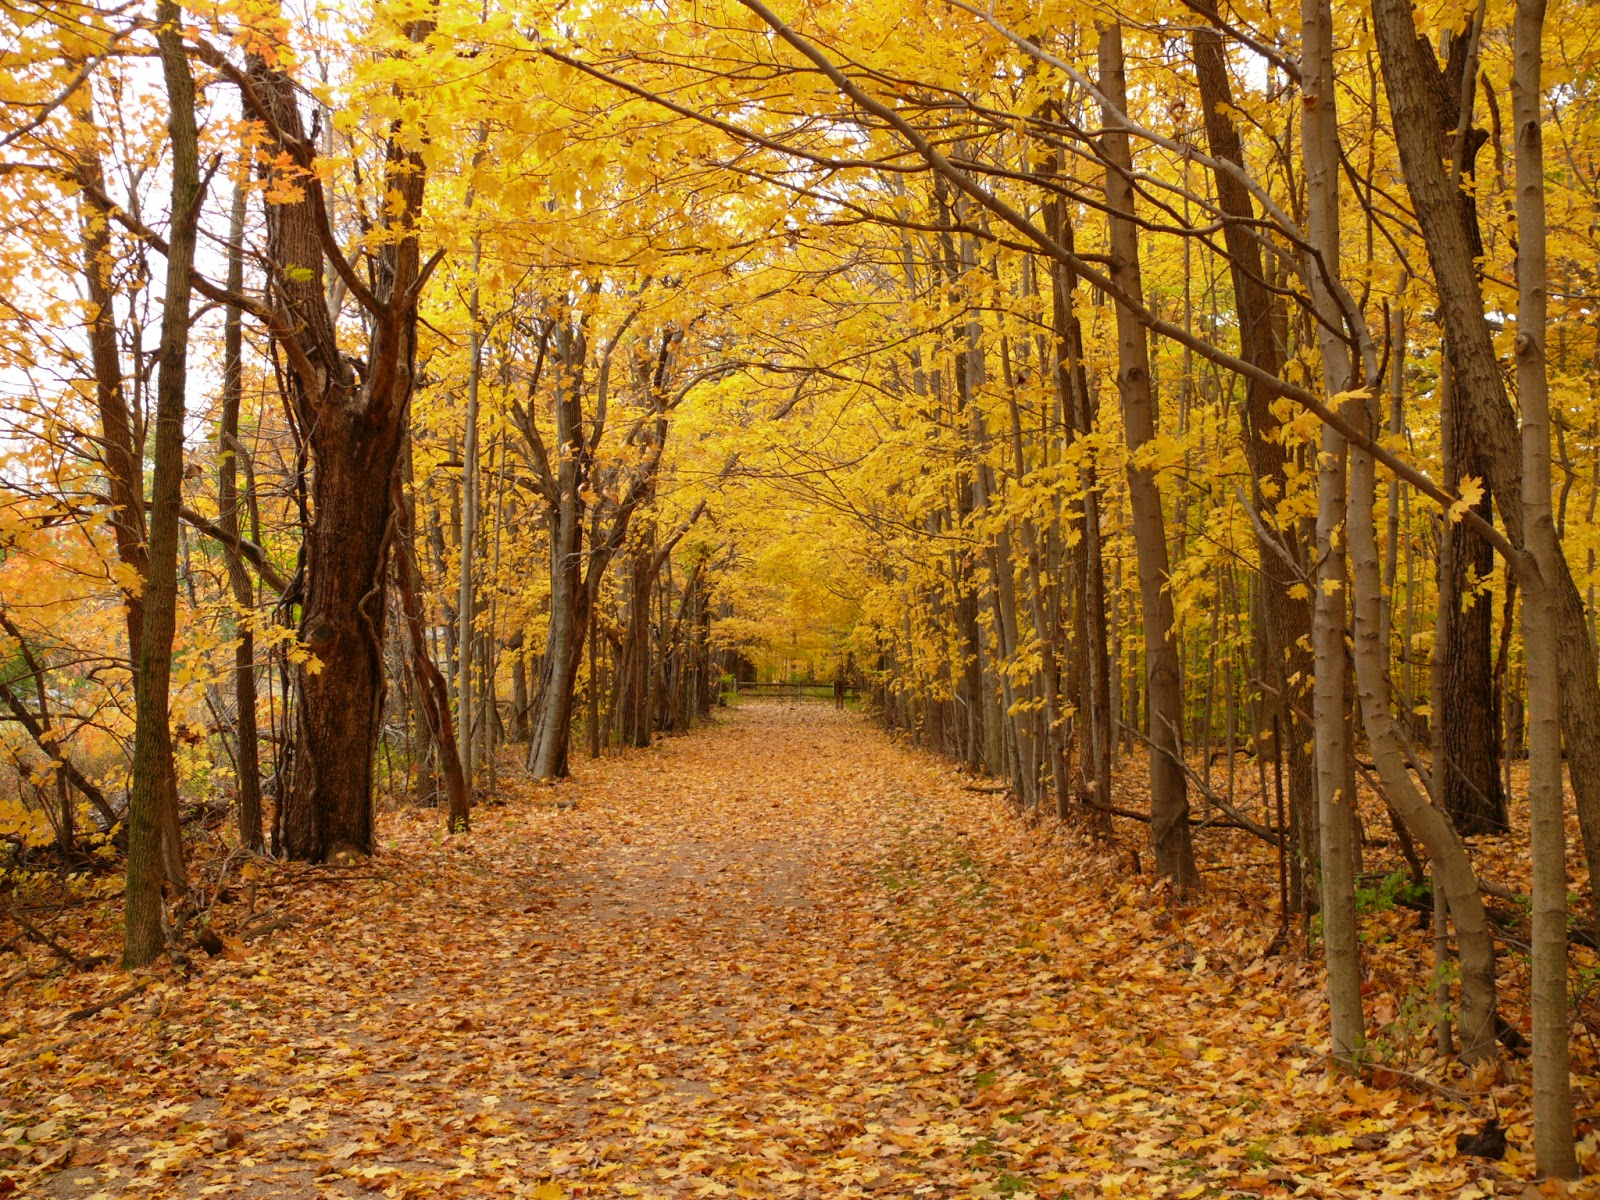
{"x": 466, "y": 606}
{"x": 569, "y": 598}
{"x": 1469, "y": 769}
{"x": 120, "y": 455}
{"x": 1169, "y": 801}
{"x": 563, "y": 655}
{"x": 1480, "y": 387}
{"x": 152, "y": 816}
{"x": 354, "y": 426}
{"x": 244, "y": 661}
{"x": 433, "y": 697}
{"x": 1453, "y": 872}
{"x": 521, "y": 703}
{"x": 634, "y": 709}
{"x": 1335, "y": 802}
{"x": 1282, "y": 638}
{"x": 1552, "y": 1081}
{"x": 1078, "y": 418}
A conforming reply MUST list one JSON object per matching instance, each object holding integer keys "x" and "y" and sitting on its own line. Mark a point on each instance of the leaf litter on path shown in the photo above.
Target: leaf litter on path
{"x": 782, "y": 957}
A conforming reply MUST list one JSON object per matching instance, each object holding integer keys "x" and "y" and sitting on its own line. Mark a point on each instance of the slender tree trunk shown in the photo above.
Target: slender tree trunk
{"x": 433, "y": 696}
{"x": 1169, "y": 801}
{"x": 121, "y": 456}
{"x": 150, "y": 823}
{"x": 244, "y": 662}
{"x": 124, "y": 474}
{"x": 466, "y": 606}
{"x": 1552, "y": 1082}
{"x": 1078, "y": 417}
{"x": 569, "y": 599}
{"x": 521, "y": 702}
{"x": 1453, "y": 872}
{"x": 1335, "y": 802}
{"x": 1283, "y": 637}
{"x": 569, "y": 621}
{"x": 569, "y": 624}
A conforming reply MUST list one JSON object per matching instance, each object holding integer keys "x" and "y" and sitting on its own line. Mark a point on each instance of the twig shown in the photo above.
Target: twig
{"x": 1241, "y": 821}
{"x": 44, "y": 939}
{"x": 83, "y": 1014}
{"x": 266, "y": 927}
{"x": 1449, "y": 1093}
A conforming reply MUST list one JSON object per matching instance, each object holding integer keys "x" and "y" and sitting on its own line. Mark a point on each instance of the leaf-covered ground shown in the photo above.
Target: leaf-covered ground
{"x": 780, "y": 957}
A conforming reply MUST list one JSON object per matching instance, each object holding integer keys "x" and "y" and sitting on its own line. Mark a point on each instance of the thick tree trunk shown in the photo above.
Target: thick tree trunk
{"x": 635, "y": 710}
{"x": 328, "y": 812}
{"x": 1480, "y": 387}
{"x": 1169, "y": 800}
{"x": 355, "y": 429}
{"x": 1470, "y": 769}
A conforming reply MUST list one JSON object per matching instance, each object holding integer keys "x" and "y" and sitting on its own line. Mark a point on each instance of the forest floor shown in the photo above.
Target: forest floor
{"x": 782, "y": 956}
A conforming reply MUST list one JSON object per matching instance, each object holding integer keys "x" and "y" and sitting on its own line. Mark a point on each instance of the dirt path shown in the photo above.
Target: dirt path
{"x": 780, "y": 957}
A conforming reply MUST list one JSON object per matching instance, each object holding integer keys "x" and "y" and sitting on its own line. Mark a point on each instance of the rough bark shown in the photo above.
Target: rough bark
{"x": 354, "y": 425}
{"x": 1480, "y": 385}
{"x": 569, "y": 599}
{"x": 634, "y": 706}
{"x": 1169, "y": 801}
{"x": 120, "y": 451}
{"x": 1470, "y": 741}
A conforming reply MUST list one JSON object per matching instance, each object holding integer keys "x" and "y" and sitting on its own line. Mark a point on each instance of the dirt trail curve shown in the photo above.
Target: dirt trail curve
{"x": 780, "y": 957}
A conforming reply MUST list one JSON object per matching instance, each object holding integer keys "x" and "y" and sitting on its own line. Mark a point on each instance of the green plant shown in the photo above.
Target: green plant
{"x": 1009, "y": 1184}
{"x": 1397, "y": 887}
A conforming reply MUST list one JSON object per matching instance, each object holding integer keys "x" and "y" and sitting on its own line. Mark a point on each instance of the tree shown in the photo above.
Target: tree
{"x": 1479, "y": 385}
{"x": 1552, "y": 1083}
{"x": 1169, "y": 802}
{"x": 353, "y": 422}
{"x": 1335, "y": 803}
{"x": 152, "y": 811}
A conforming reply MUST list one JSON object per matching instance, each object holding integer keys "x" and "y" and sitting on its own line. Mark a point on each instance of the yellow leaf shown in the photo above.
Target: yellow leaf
{"x": 549, "y": 1191}
{"x": 1471, "y": 491}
